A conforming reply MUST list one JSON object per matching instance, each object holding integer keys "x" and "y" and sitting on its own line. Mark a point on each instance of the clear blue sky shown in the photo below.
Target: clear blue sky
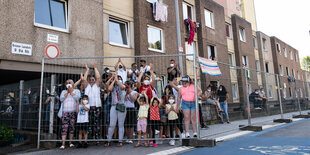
{"x": 289, "y": 20}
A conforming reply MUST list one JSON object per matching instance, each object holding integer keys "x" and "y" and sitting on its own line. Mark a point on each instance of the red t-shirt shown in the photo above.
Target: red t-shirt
{"x": 154, "y": 113}
{"x": 148, "y": 89}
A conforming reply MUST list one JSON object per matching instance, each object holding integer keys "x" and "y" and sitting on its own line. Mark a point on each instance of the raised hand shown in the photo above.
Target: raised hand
{"x": 86, "y": 67}
{"x": 151, "y": 67}
{"x": 95, "y": 64}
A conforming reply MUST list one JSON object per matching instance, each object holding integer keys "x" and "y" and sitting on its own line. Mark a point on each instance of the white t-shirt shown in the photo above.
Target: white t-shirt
{"x": 145, "y": 69}
{"x": 123, "y": 74}
{"x": 134, "y": 76}
{"x": 93, "y": 93}
{"x": 83, "y": 114}
{"x": 128, "y": 102}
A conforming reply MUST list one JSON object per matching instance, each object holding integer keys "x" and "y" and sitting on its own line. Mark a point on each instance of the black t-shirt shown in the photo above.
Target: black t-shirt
{"x": 222, "y": 95}
{"x": 172, "y": 74}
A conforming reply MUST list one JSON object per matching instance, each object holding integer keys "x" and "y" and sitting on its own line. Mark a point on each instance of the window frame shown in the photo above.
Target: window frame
{"x": 267, "y": 67}
{"x": 52, "y": 27}
{"x": 264, "y": 44}
{"x": 255, "y": 42}
{"x": 291, "y": 55}
{"x": 212, "y": 26}
{"x": 162, "y": 39}
{"x": 242, "y": 35}
{"x": 127, "y": 32}
{"x": 229, "y": 31}
{"x": 235, "y": 85}
{"x": 296, "y": 57}
{"x": 285, "y": 52}
{"x": 192, "y": 10}
{"x": 281, "y": 70}
{"x": 215, "y": 52}
{"x": 278, "y": 46}
{"x": 232, "y": 62}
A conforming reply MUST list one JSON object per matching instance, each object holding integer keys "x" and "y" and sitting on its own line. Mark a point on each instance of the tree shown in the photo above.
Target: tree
{"x": 306, "y": 63}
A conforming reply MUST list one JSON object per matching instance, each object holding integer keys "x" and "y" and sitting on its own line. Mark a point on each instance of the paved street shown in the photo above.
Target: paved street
{"x": 220, "y": 132}
{"x": 290, "y": 138}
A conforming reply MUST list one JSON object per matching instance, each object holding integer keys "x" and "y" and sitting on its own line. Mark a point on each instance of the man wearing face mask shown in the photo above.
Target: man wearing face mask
{"x": 133, "y": 72}
{"x": 143, "y": 67}
{"x": 120, "y": 68}
{"x": 173, "y": 70}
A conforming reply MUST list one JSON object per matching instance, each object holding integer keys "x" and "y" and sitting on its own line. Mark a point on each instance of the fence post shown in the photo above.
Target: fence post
{"x": 52, "y": 102}
{"x": 196, "y": 95}
{"x": 40, "y": 105}
{"x": 247, "y": 96}
{"x": 21, "y": 97}
{"x": 279, "y": 95}
{"x": 297, "y": 97}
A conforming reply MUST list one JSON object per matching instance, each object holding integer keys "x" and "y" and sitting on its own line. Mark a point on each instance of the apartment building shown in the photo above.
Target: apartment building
{"x": 306, "y": 77}
{"x": 212, "y": 41}
{"x": 286, "y": 64}
{"x": 27, "y": 27}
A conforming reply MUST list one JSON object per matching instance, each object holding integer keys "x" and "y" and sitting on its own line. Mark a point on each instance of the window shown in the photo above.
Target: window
{"x": 287, "y": 71}
{"x": 249, "y": 89}
{"x": 264, "y": 45}
{"x": 212, "y": 52}
{"x": 187, "y": 11}
{"x": 231, "y": 57}
{"x": 267, "y": 67}
{"x": 190, "y": 49}
{"x": 254, "y": 42}
{"x": 257, "y": 65}
{"x": 235, "y": 91}
{"x": 290, "y": 91}
{"x": 291, "y": 55}
{"x": 284, "y": 90}
{"x": 270, "y": 92}
{"x": 298, "y": 76}
{"x": 209, "y": 19}
{"x": 281, "y": 70}
{"x": 242, "y": 34}
{"x": 300, "y": 91}
{"x": 228, "y": 30}
{"x": 296, "y": 57}
{"x": 118, "y": 32}
{"x": 293, "y": 72}
{"x": 51, "y": 14}
{"x": 244, "y": 61}
{"x": 279, "y": 48}
{"x": 155, "y": 39}
{"x": 285, "y": 52}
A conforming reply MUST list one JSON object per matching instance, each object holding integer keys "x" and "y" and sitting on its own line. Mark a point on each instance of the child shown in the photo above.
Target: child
{"x": 172, "y": 111}
{"x": 154, "y": 116}
{"x": 142, "y": 117}
{"x": 82, "y": 121}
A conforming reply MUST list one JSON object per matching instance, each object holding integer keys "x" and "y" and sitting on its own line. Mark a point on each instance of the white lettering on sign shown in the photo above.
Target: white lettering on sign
{"x": 20, "y": 48}
{"x": 52, "y": 38}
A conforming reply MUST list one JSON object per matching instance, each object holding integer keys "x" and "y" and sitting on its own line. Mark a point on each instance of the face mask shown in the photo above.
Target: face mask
{"x": 256, "y": 92}
{"x": 262, "y": 91}
{"x": 85, "y": 101}
{"x": 209, "y": 90}
{"x": 171, "y": 65}
{"x": 179, "y": 86}
{"x": 108, "y": 71}
{"x": 120, "y": 81}
{"x": 146, "y": 82}
{"x": 47, "y": 91}
{"x": 220, "y": 89}
{"x": 69, "y": 85}
{"x": 29, "y": 92}
{"x": 171, "y": 101}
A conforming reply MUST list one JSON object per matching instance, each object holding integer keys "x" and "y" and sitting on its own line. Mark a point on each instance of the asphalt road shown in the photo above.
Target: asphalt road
{"x": 293, "y": 138}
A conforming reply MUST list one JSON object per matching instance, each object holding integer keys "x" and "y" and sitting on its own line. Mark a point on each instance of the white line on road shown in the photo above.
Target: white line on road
{"x": 171, "y": 151}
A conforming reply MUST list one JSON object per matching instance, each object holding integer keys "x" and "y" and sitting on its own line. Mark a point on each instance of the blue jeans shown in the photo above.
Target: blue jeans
{"x": 188, "y": 105}
{"x": 225, "y": 108}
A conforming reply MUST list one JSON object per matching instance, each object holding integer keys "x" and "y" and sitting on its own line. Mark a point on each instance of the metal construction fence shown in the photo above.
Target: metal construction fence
{"x": 25, "y": 106}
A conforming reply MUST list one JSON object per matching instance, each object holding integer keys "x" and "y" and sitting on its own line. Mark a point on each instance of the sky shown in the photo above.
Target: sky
{"x": 288, "y": 20}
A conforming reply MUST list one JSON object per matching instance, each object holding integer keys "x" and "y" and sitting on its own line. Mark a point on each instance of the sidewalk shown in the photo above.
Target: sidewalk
{"x": 218, "y": 132}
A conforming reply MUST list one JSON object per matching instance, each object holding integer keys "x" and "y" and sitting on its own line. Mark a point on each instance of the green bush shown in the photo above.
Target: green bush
{"x": 6, "y": 134}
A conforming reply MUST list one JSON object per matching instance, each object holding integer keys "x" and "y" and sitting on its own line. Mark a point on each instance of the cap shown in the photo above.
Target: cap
{"x": 185, "y": 79}
{"x": 106, "y": 69}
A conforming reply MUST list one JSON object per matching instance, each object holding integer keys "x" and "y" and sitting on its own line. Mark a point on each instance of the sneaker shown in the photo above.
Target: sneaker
{"x": 62, "y": 147}
{"x": 151, "y": 143}
{"x": 85, "y": 145}
{"x": 183, "y": 135}
{"x": 71, "y": 145}
{"x": 258, "y": 108}
{"x": 80, "y": 145}
{"x": 195, "y": 135}
{"x": 129, "y": 142}
{"x": 177, "y": 136}
{"x": 187, "y": 135}
{"x": 164, "y": 136}
{"x": 172, "y": 142}
{"x": 157, "y": 132}
{"x": 154, "y": 145}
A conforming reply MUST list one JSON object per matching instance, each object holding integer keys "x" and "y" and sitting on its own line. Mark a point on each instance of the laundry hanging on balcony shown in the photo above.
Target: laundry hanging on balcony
{"x": 160, "y": 12}
{"x": 191, "y": 26}
{"x": 209, "y": 67}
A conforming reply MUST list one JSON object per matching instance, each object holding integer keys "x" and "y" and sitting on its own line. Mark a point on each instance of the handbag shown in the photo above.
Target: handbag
{"x": 60, "y": 112}
{"x": 120, "y": 107}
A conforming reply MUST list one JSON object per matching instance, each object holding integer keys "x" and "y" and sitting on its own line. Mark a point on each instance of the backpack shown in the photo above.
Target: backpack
{"x": 252, "y": 97}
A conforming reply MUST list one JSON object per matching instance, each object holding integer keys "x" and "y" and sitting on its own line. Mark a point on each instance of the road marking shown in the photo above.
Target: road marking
{"x": 231, "y": 136}
{"x": 171, "y": 151}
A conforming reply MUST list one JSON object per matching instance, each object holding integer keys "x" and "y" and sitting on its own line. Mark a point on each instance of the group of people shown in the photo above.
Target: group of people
{"x": 258, "y": 98}
{"x": 115, "y": 104}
